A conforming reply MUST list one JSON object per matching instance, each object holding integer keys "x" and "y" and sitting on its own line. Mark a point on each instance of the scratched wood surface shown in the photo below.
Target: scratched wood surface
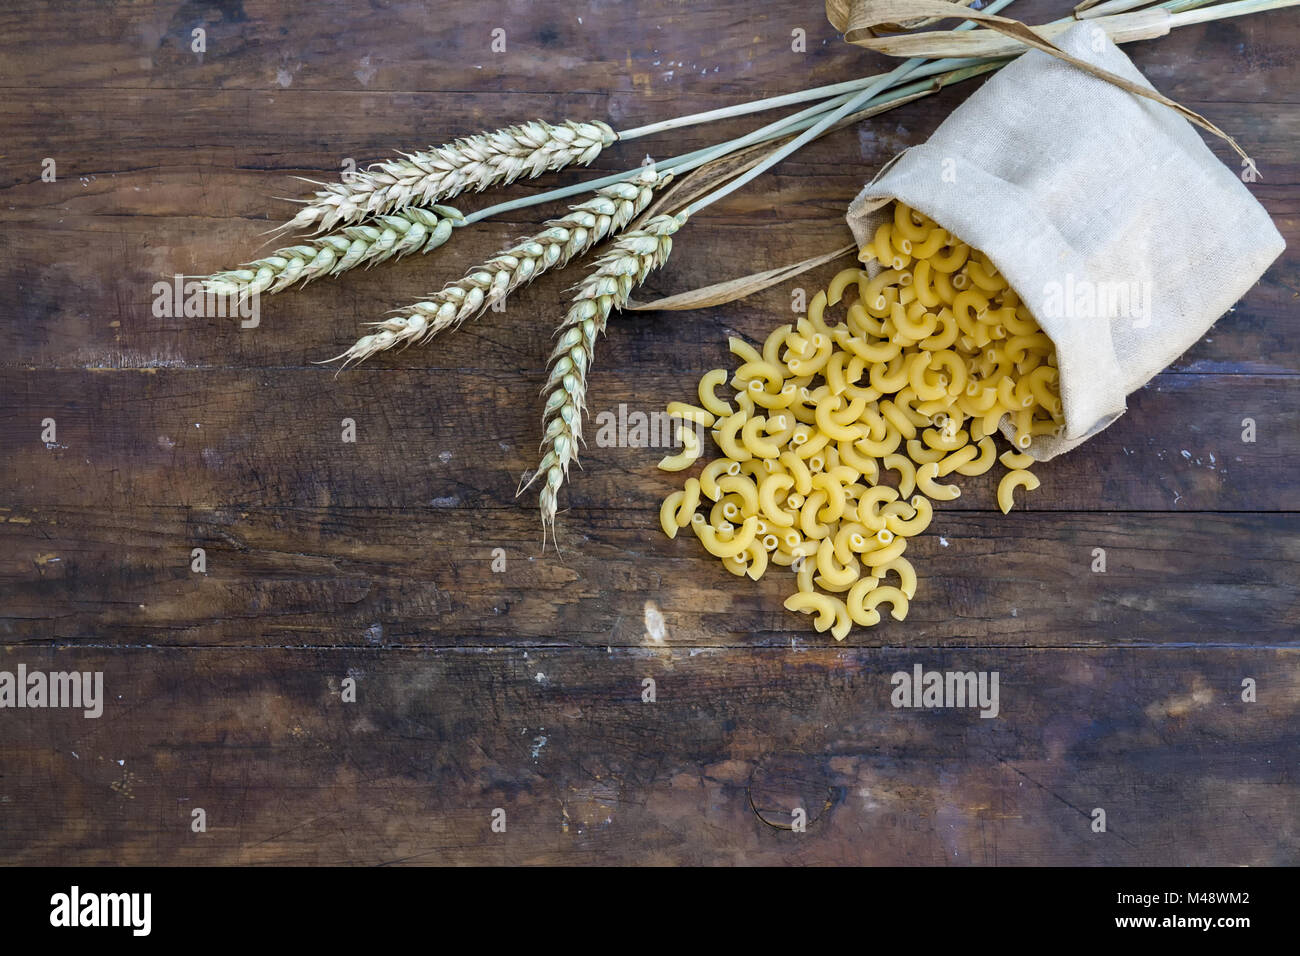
{"x": 521, "y": 688}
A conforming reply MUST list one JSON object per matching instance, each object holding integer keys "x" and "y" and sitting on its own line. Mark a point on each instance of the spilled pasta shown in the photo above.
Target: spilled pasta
{"x": 933, "y": 355}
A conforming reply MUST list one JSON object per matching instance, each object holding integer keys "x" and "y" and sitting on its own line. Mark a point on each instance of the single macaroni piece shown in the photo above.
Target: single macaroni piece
{"x": 1010, "y": 482}
{"x": 692, "y": 448}
{"x": 906, "y": 575}
{"x": 691, "y": 413}
{"x": 925, "y": 480}
{"x": 831, "y": 613}
{"x": 962, "y": 456}
{"x": 835, "y": 291}
{"x": 862, "y": 606}
{"x": 772, "y": 491}
{"x": 977, "y": 466}
{"x": 882, "y": 556}
{"x": 712, "y": 472}
{"x": 721, "y": 547}
{"x": 838, "y": 576}
{"x": 910, "y": 527}
{"x": 726, "y": 435}
{"x": 869, "y": 503}
{"x": 906, "y": 472}
{"x": 752, "y": 438}
{"x": 921, "y": 454}
{"x": 761, "y": 372}
{"x": 742, "y": 349}
{"x": 808, "y": 523}
{"x": 689, "y": 502}
{"x": 707, "y": 392}
{"x": 743, "y": 487}
{"x": 668, "y": 513}
{"x": 1016, "y": 459}
{"x": 888, "y": 384}
{"x": 751, "y": 562}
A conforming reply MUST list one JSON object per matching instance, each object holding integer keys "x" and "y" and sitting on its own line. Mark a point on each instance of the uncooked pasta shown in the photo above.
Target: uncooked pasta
{"x": 840, "y": 434}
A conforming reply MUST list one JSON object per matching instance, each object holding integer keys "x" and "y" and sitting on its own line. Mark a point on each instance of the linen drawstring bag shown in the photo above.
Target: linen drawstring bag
{"x": 1108, "y": 215}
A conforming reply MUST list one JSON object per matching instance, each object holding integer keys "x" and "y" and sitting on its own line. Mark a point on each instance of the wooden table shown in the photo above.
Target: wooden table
{"x": 522, "y": 689}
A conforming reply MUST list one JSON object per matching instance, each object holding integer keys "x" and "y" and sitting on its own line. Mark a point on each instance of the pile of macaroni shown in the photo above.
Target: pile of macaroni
{"x": 932, "y": 356}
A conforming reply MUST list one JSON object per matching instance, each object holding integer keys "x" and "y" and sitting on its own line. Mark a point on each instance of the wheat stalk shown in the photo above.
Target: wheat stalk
{"x": 474, "y": 162}
{"x": 560, "y": 240}
{"x": 390, "y": 237}
{"x": 632, "y": 258}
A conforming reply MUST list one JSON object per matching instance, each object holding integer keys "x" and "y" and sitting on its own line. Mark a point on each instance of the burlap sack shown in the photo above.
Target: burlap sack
{"x": 1106, "y": 212}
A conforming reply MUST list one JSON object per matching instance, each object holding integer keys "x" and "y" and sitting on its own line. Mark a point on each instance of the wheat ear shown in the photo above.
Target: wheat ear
{"x": 632, "y": 257}
{"x": 475, "y": 162}
{"x": 560, "y": 240}
{"x": 390, "y": 237}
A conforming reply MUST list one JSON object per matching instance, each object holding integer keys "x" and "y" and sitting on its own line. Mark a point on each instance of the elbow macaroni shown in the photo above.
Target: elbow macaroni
{"x": 692, "y": 448}
{"x": 840, "y": 431}
{"x": 1010, "y": 482}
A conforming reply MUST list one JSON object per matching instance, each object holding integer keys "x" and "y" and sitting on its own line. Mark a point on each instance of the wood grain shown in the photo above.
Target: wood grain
{"x": 452, "y": 438}
{"x": 69, "y": 317}
{"x": 521, "y": 688}
{"x": 711, "y": 772}
{"x": 450, "y": 576}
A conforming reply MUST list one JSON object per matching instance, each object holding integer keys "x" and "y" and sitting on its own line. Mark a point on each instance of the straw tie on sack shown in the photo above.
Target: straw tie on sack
{"x": 861, "y": 21}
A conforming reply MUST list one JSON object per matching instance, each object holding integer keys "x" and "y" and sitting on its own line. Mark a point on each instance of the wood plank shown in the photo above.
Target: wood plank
{"x": 331, "y": 45}
{"x": 99, "y": 134}
{"x": 435, "y": 577}
{"x": 560, "y": 739}
{"x": 691, "y": 49}
{"x": 85, "y": 296}
{"x": 273, "y": 437}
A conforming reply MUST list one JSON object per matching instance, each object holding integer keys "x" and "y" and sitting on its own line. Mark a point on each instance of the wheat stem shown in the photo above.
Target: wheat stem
{"x": 947, "y": 69}
{"x": 1187, "y": 16}
{"x": 854, "y": 101}
{"x": 472, "y": 163}
{"x": 388, "y": 237}
{"x": 560, "y": 240}
{"x": 677, "y": 165}
{"x": 631, "y": 258}
{"x": 1175, "y": 6}
{"x": 744, "y": 109}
